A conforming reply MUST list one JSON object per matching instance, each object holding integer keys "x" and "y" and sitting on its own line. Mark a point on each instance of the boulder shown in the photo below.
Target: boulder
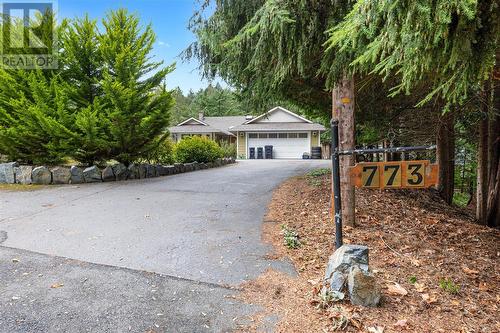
{"x": 133, "y": 171}
{"x": 142, "y": 171}
{"x": 23, "y": 174}
{"x": 41, "y": 175}
{"x": 340, "y": 263}
{"x": 61, "y": 175}
{"x": 170, "y": 169}
{"x": 108, "y": 175}
{"x": 92, "y": 174}
{"x": 120, "y": 171}
{"x": 150, "y": 171}
{"x": 76, "y": 175}
{"x": 7, "y": 174}
{"x": 162, "y": 170}
{"x": 363, "y": 288}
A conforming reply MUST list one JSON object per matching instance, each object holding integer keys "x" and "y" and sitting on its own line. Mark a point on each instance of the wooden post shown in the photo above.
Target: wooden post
{"x": 343, "y": 111}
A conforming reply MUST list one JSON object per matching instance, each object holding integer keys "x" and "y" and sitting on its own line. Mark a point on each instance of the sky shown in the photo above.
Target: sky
{"x": 169, "y": 19}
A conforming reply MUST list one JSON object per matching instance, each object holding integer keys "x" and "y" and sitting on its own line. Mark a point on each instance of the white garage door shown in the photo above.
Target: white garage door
{"x": 285, "y": 145}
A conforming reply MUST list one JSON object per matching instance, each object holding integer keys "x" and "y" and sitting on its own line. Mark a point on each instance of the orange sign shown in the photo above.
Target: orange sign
{"x": 402, "y": 174}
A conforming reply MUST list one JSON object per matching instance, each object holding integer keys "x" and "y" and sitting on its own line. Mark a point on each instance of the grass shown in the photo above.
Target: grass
{"x": 449, "y": 286}
{"x": 319, "y": 172}
{"x": 314, "y": 176}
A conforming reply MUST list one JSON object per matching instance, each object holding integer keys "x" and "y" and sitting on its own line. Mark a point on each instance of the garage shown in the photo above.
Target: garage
{"x": 286, "y": 145}
{"x": 290, "y": 134}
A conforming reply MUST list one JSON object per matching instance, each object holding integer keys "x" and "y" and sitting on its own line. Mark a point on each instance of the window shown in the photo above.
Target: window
{"x": 262, "y": 135}
{"x": 252, "y": 135}
{"x": 292, "y": 135}
{"x": 303, "y": 135}
{"x": 273, "y": 135}
{"x": 282, "y": 135}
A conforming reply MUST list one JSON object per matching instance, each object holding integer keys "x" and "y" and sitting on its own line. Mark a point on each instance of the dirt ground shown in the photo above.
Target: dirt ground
{"x": 439, "y": 272}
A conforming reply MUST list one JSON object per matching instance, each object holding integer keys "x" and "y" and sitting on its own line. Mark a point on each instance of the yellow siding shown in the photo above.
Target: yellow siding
{"x": 315, "y": 140}
{"x": 242, "y": 145}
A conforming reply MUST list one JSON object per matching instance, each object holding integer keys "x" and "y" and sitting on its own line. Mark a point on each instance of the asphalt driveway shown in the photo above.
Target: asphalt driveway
{"x": 197, "y": 231}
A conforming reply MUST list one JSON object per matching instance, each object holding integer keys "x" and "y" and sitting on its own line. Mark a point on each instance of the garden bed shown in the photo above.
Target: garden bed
{"x": 438, "y": 270}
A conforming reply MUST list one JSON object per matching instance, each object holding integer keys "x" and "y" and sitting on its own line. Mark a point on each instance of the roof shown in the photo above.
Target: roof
{"x": 209, "y": 125}
{"x": 226, "y": 125}
{"x": 277, "y": 108}
{"x": 278, "y": 127}
{"x": 224, "y": 122}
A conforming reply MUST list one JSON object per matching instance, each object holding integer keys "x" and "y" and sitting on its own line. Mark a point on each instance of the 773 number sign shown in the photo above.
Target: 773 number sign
{"x": 402, "y": 174}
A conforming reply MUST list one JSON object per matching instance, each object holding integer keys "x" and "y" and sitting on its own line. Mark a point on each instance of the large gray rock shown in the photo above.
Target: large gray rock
{"x": 170, "y": 169}
{"x": 363, "y": 288}
{"x": 41, "y": 175}
{"x": 7, "y": 174}
{"x": 61, "y": 175}
{"x": 23, "y": 174}
{"x": 76, "y": 175}
{"x": 143, "y": 171}
{"x": 120, "y": 171}
{"x": 150, "y": 171}
{"x": 108, "y": 174}
{"x": 133, "y": 171}
{"x": 340, "y": 263}
{"x": 162, "y": 170}
{"x": 92, "y": 174}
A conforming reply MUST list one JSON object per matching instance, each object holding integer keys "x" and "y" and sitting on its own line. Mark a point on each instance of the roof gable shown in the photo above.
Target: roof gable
{"x": 192, "y": 121}
{"x": 279, "y": 115}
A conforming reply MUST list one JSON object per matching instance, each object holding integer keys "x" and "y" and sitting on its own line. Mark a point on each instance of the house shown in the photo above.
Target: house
{"x": 290, "y": 135}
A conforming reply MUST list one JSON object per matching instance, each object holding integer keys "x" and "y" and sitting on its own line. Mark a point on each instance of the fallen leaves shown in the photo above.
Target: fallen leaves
{"x": 429, "y": 240}
{"x": 56, "y": 285}
{"x": 396, "y": 289}
{"x": 429, "y": 299}
{"x": 376, "y": 329}
{"x": 467, "y": 270}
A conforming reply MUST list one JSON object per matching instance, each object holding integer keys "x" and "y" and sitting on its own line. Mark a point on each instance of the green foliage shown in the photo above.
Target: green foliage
{"x": 107, "y": 101}
{"x": 290, "y": 237}
{"x": 228, "y": 149}
{"x": 461, "y": 199}
{"x": 212, "y": 101}
{"x": 319, "y": 172}
{"x": 33, "y": 117}
{"x": 450, "y": 45}
{"x": 269, "y": 50}
{"x": 449, "y": 286}
{"x": 412, "y": 279}
{"x": 197, "y": 149}
{"x": 162, "y": 154}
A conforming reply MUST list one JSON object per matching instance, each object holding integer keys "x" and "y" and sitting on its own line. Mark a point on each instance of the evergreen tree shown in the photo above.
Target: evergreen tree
{"x": 135, "y": 102}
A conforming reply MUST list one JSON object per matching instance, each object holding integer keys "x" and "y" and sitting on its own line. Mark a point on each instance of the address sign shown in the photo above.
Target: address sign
{"x": 401, "y": 174}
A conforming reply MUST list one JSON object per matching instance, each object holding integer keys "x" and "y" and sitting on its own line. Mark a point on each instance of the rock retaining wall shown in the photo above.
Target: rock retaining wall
{"x": 12, "y": 173}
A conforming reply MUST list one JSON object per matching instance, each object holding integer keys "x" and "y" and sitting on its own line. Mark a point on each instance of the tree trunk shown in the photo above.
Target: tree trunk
{"x": 493, "y": 201}
{"x": 445, "y": 156}
{"x": 343, "y": 111}
{"x": 482, "y": 172}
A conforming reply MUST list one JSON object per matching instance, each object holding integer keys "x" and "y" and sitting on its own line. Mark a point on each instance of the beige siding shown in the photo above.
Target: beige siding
{"x": 242, "y": 145}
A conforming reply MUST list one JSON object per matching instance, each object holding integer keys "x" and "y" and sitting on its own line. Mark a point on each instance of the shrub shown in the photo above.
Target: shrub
{"x": 197, "y": 149}
{"x": 162, "y": 154}
{"x": 228, "y": 149}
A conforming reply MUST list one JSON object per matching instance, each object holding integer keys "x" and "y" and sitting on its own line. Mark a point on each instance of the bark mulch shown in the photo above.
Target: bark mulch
{"x": 439, "y": 271}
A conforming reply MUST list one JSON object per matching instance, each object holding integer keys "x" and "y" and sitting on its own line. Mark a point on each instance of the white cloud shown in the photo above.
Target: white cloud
{"x": 160, "y": 43}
